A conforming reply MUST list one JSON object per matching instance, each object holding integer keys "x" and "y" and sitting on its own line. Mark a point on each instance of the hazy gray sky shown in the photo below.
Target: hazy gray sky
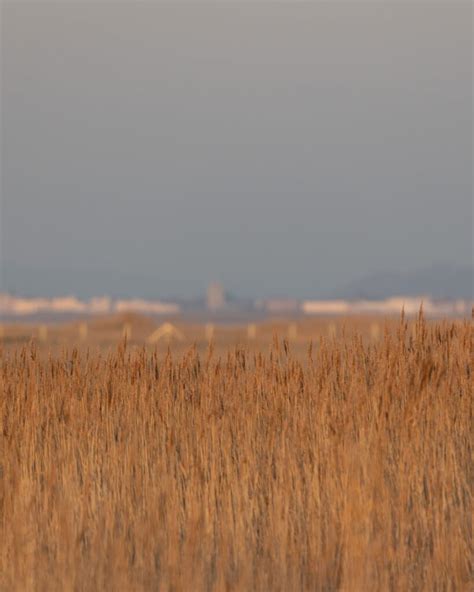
{"x": 283, "y": 149}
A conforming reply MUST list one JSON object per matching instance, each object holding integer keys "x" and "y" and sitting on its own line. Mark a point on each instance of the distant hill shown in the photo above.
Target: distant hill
{"x": 439, "y": 282}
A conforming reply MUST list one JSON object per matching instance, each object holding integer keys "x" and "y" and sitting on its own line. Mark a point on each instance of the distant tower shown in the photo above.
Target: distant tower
{"x": 215, "y": 297}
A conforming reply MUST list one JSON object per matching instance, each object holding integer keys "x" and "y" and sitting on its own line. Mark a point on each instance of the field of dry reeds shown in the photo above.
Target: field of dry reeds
{"x": 138, "y": 470}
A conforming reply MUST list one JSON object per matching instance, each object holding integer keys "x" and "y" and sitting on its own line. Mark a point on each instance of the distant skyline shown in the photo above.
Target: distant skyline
{"x": 279, "y": 149}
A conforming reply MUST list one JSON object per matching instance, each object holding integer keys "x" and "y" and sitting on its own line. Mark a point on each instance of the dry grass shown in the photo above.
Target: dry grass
{"x": 248, "y": 471}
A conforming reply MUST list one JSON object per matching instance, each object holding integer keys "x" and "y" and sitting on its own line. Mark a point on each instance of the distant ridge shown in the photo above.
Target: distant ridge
{"x": 440, "y": 282}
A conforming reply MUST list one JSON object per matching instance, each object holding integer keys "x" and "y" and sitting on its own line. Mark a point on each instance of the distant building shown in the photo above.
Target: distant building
{"x": 138, "y": 305}
{"x": 325, "y": 307}
{"x": 394, "y": 306}
{"x": 215, "y": 297}
{"x": 390, "y": 306}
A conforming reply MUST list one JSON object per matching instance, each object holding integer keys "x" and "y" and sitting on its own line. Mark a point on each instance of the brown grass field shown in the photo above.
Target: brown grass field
{"x": 270, "y": 465}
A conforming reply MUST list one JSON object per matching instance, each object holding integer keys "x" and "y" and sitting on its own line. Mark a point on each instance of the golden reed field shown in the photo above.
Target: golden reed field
{"x": 346, "y": 465}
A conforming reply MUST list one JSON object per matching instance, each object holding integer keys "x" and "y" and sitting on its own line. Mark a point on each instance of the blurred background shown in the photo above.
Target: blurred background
{"x": 234, "y": 163}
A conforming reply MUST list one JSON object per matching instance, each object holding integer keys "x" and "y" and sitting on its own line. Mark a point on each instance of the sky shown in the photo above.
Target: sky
{"x": 280, "y": 148}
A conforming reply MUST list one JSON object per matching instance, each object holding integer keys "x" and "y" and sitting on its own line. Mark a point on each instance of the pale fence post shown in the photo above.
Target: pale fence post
{"x": 83, "y": 330}
{"x": 127, "y": 331}
{"x": 43, "y": 333}
{"x": 292, "y": 331}
{"x": 374, "y": 331}
{"x": 209, "y": 331}
{"x": 251, "y": 331}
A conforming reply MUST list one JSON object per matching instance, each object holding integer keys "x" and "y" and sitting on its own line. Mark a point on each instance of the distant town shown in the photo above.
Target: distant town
{"x": 218, "y": 303}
